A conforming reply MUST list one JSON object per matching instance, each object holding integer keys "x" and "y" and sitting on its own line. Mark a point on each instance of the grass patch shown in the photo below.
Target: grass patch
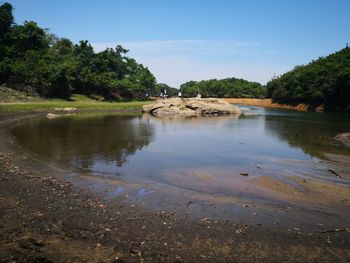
{"x": 81, "y": 98}
{"x": 80, "y": 104}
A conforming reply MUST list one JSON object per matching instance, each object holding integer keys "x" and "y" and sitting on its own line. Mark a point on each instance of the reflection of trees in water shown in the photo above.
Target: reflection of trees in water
{"x": 311, "y": 132}
{"x": 85, "y": 139}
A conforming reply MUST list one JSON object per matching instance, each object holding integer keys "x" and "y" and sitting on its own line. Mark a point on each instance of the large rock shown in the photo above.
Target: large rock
{"x": 190, "y": 106}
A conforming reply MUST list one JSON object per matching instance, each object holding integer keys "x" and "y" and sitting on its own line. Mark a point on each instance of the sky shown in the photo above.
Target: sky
{"x": 183, "y": 40}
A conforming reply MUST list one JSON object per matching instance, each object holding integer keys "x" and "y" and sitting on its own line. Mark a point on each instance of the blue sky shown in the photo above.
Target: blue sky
{"x": 183, "y": 40}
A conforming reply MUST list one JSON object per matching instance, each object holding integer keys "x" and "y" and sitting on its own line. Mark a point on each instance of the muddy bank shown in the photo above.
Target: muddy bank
{"x": 44, "y": 219}
{"x": 270, "y": 104}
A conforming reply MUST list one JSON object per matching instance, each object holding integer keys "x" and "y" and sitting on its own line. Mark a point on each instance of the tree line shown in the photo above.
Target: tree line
{"x": 323, "y": 81}
{"x": 223, "y": 88}
{"x": 32, "y": 58}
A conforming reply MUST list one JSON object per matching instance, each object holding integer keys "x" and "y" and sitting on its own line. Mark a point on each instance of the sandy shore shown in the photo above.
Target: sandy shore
{"x": 270, "y": 104}
{"x": 46, "y": 218}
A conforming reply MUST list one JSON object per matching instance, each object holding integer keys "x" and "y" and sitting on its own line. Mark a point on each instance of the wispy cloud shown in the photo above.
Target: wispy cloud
{"x": 177, "y": 61}
{"x": 183, "y": 46}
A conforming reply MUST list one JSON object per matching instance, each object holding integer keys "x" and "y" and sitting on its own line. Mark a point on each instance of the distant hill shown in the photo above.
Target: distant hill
{"x": 223, "y": 88}
{"x": 323, "y": 81}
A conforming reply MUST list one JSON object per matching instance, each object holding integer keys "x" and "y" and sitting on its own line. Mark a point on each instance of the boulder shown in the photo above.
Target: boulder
{"x": 190, "y": 106}
{"x": 173, "y": 111}
{"x": 52, "y": 115}
{"x": 69, "y": 109}
{"x": 162, "y": 103}
{"x": 211, "y": 106}
{"x": 344, "y": 138}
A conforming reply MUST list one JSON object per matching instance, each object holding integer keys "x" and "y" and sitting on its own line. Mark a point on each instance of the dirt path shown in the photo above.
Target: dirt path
{"x": 43, "y": 219}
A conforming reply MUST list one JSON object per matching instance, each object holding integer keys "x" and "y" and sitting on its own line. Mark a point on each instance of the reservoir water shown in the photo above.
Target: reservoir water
{"x": 268, "y": 155}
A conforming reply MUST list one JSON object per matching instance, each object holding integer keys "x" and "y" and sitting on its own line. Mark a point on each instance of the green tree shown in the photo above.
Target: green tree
{"x": 224, "y": 88}
{"x": 325, "y": 80}
{"x": 32, "y": 58}
{"x": 6, "y": 20}
{"x": 160, "y": 87}
{"x": 29, "y": 36}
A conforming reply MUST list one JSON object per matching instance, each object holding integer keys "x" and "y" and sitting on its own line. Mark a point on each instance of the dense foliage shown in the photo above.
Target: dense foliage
{"x": 326, "y": 80}
{"x": 171, "y": 92}
{"x": 32, "y": 58}
{"x": 224, "y": 88}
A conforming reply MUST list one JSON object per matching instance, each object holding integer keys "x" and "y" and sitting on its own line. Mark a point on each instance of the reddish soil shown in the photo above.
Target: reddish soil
{"x": 270, "y": 104}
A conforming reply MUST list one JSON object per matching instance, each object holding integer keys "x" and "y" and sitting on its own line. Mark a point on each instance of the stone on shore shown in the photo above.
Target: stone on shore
{"x": 69, "y": 109}
{"x": 52, "y": 115}
{"x": 190, "y": 106}
{"x": 343, "y": 138}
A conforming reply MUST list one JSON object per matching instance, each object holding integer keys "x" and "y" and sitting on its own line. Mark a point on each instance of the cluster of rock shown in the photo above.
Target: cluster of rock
{"x": 65, "y": 110}
{"x": 60, "y": 112}
{"x": 190, "y": 107}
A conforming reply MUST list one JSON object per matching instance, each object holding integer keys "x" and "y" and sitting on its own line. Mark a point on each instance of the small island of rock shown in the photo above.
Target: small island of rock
{"x": 190, "y": 107}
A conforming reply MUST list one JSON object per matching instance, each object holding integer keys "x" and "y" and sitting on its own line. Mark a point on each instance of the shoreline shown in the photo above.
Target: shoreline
{"x": 270, "y": 104}
{"x": 50, "y": 106}
{"x": 49, "y": 218}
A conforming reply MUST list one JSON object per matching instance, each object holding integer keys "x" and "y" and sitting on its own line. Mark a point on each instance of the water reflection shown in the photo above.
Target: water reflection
{"x": 85, "y": 139}
{"x": 164, "y": 160}
{"x": 312, "y": 132}
{"x": 145, "y": 146}
{"x": 191, "y": 120}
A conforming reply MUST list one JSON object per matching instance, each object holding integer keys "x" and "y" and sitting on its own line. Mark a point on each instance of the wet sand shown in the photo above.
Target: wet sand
{"x": 47, "y": 217}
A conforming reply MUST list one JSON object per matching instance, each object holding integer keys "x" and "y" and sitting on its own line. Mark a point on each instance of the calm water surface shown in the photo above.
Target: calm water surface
{"x": 143, "y": 146}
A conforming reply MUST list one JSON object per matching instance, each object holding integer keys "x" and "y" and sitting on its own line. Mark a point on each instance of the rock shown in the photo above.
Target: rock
{"x": 190, "y": 107}
{"x": 250, "y": 114}
{"x": 162, "y": 103}
{"x": 244, "y": 109}
{"x": 52, "y": 115}
{"x": 68, "y": 109}
{"x": 173, "y": 110}
{"x": 212, "y": 106}
{"x": 343, "y": 138}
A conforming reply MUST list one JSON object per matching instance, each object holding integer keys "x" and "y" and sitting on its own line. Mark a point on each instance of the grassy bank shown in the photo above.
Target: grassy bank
{"x": 80, "y": 105}
{"x": 11, "y": 101}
